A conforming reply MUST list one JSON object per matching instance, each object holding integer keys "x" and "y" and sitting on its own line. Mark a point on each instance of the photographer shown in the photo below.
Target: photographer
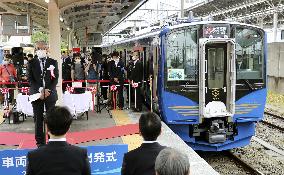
{"x": 8, "y": 75}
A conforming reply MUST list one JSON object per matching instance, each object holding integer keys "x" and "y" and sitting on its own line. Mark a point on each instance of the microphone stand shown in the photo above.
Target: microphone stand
{"x": 44, "y": 100}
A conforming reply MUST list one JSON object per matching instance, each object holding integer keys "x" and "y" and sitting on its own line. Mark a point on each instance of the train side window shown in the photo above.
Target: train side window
{"x": 249, "y": 54}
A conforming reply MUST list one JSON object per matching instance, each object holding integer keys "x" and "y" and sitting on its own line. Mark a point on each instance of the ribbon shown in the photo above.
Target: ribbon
{"x": 113, "y": 88}
{"x": 25, "y": 90}
{"x": 4, "y": 90}
{"x": 51, "y": 69}
{"x": 134, "y": 85}
{"x": 70, "y": 89}
{"x": 52, "y": 74}
{"x": 93, "y": 91}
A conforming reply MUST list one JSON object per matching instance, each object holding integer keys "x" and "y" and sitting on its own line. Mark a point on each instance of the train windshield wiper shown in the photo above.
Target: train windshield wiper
{"x": 248, "y": 84}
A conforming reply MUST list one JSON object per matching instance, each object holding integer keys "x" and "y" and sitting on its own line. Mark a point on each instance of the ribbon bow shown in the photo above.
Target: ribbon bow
{"x": 51, "y": 68}
{"x": 70, "y": 89}
{"x": 134, "y": 85}
{"x": 4, "y": 90}
{"x": 113, "y": 88}
{"x": 93, "y": 89}
{"x": 25, "y": 90}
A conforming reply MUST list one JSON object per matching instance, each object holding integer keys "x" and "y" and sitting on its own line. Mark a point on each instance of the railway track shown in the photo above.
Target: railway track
{"x": 274, "y": 115}
{"x": 227, "y": 163}
{"x": 277, "y": 118}
{"x": 249, "y": 168}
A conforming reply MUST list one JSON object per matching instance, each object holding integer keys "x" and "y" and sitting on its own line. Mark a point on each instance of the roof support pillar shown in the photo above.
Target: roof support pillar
{"x": 70, "y": 38}
{"x": 182, "y": 9}
{"x": 260, "y": 22}
{"x": 275, "y": 25}
{"x": 55, "y": 41}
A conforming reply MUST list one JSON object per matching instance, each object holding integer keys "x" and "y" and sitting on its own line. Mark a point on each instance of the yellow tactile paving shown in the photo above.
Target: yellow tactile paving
{"x": 1, "y": 116}
{"x": 121, "y": 118}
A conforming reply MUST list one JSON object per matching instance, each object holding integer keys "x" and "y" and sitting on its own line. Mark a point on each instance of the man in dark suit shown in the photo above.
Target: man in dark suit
{"x": 66, "y": 70}
{"x": 117, "y": 76}
{"x": 43, "y": 78}
{"x": 136, "y": 77}
{"x": 141, "y": 160}
{"x": 58, "y": 157}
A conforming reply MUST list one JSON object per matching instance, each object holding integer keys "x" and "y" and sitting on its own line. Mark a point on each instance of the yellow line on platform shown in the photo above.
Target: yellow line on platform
{"x": 121, "y": 118}
{"x": 1, "y": 116}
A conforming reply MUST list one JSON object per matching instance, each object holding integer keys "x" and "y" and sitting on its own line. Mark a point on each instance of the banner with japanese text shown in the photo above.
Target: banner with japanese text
{"x": 103, "y": 160}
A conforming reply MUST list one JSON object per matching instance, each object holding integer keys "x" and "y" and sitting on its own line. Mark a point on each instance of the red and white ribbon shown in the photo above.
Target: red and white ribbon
{"x": 25, "y": 90}
{"x": 134, "y": 85}
{"x": 70, "y": 89}
{"x": 51, "y": 68}
{"x": 93, "y": 89}
{"x": 113, "y": 88}
{"x": 4, "y": 90}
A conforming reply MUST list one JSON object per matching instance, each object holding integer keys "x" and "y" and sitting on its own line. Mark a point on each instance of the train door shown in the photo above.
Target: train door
{"x": 215, "y": 75}
{"x": 217, "y": 78}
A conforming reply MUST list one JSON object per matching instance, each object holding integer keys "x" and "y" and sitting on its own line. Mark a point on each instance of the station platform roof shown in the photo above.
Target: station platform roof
{"x": 247, "y": 11}
{"x": 99, "y": 16}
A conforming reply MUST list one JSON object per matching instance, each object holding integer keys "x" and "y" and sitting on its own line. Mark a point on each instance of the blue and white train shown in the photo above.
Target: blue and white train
{"x": 209, "y": 80}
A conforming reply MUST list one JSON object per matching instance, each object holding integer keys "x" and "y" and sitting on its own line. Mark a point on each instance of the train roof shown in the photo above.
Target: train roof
{"x": 158, "y": 31}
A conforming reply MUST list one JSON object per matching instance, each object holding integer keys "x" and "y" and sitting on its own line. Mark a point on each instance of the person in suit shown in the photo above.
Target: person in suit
{"x": 58, "y": 157}
{"x": 105, "y": 76}
{"x": 117, "y": 77}
{"x": 42, "y": 77}
{"x": 136, "y": 76}
{"x": 66, "y": 70}
{"x": 141, "y": 160}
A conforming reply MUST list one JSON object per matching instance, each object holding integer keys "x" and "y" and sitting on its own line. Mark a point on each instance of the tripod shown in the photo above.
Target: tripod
{"x": 101, "y": 103}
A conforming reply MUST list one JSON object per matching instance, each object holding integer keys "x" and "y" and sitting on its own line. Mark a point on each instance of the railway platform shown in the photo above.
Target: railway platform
{"x": 101, "y": 129}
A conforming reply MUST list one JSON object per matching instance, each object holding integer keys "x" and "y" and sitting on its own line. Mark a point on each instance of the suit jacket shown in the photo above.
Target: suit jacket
{"x": 141, "y": 161}
{"x": 117, "y": 71}
{"x": 137, "y": 72}
{"x": 66, "y": 68}
{"x": 58, "y": 158}
{"x": 36, "y": 80}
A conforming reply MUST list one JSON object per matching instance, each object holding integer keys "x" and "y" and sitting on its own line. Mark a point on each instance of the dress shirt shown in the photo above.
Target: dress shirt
{"x": 58, "y": 140}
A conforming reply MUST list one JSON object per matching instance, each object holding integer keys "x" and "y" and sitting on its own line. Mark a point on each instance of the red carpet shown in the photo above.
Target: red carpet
{"x": 24, "y": 140}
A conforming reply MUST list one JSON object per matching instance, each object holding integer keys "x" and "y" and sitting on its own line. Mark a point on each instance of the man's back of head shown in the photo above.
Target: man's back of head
{"x": 172, "y": 162}
{"x": 150, "y": 126}
{"x": 58, "y": 121}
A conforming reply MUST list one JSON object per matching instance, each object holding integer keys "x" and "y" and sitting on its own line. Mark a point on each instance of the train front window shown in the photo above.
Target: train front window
{"x": 249, "y": 54}
{"x": 181, "y": 57}
{"x": 216, "y": 68}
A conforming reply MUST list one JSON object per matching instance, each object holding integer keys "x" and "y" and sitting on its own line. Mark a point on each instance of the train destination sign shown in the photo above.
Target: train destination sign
{"x": 216, "y": 31}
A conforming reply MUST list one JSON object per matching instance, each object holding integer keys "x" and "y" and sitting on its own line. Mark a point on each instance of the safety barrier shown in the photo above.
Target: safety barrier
{"x": 93, "y": 89}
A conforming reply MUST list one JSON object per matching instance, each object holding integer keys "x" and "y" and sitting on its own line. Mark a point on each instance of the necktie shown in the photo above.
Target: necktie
{"x": 42, "y": 63}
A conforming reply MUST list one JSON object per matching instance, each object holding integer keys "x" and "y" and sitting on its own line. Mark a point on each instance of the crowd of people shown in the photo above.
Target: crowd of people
{"x": 91, "y": 69}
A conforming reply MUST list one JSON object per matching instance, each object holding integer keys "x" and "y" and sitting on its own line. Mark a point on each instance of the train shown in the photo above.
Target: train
{"x": 208, "y": 79}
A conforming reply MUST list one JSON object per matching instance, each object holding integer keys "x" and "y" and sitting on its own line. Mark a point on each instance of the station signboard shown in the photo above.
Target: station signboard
{"x": 104, "y": 159}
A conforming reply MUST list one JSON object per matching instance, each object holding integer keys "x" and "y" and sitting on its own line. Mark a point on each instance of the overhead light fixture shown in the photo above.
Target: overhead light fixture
{"x": 68, "y": 28}
{"x": 47, "y": 1}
